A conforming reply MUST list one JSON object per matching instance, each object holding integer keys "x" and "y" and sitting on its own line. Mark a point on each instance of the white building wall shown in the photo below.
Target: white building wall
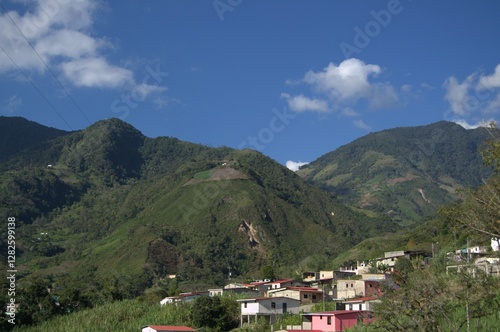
{"x": 148, "y": 329}
{"x": 251, "y": 308}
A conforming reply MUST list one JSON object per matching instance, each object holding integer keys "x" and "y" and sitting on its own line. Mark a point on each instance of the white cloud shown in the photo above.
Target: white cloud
{"x": 383, "y": 95}
{"x": 67, "y": 43}
{"x": 426, "y": 86}
{"x": 361, "y": 125}
{"x": 11, "y": 104}
{"x": 349, "y": 112}
{"x": 347, "y": 81}
{"x": 301, "y": 103}
{"x": 96, "y": 72}
{"x": 476, "y": 97}
{"x": 295, "y": 165}
{"x": 343, "y": 85}
{"x": 59, "y": 32}
{"x": 144, "y": 90}
{"x": 457, "y": 94}
{"x": 406, "y": 88}
{"x": 466, "y": 125}
{"x": 492, "y": 81}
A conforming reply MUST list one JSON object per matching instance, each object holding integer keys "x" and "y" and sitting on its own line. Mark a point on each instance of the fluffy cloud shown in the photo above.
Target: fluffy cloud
{"x": 457, "y": 94}
{"x": 347, "y": 81}
{"x": 492, "y": 81}
{"x": 361, "y": 125}
{"x": 301, "y": 103}
{"x": 96, "y": 72}
{"x": 466, "y": 125}
{"x": 475, "y": 98}
{"x": 349, "y": 112}
{"x": 59, "y": 32}
{"x": 342, "y": 85}
{"x": 295, "y": 165}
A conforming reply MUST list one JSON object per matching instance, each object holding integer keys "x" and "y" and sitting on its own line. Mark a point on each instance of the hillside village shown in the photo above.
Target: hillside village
{"x": 111, "y": 222}
{"x": 355, "y": 290}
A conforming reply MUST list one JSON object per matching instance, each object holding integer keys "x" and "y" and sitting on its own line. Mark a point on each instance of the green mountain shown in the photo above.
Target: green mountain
{"x": 118, "y": 212}
{"x": 19, "y": 134}
{"x": 405, "y": 173}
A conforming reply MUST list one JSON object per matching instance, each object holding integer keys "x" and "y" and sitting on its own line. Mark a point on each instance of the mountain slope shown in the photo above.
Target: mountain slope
{"x": 18, "y": 134}
{"x": 403, "y": 172}
{"x": 116, "y": 203}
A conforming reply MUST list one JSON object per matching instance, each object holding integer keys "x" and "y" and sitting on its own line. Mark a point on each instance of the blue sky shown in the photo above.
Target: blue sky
{"x": 292, "y": 79}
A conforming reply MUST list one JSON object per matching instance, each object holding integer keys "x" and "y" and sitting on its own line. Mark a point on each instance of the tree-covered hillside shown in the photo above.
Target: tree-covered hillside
{"x": 115, "y": 213}
{"x": 405, "y": 173}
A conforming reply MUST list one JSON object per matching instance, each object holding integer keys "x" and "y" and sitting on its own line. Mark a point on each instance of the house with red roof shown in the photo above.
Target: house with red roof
{"x": 279, "y": 283}
{"x": 167, "y": 328}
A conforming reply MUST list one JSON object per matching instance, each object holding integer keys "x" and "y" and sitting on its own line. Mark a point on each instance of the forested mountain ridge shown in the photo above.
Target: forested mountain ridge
{"x": 116, "y": 204}
{"x": 405, "y": 173}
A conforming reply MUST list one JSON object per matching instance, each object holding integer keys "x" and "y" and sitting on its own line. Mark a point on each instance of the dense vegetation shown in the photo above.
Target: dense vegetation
{"x": 406, "y": 173}
{"x": 101, "y": 229}
{"x": 116, "y": 213}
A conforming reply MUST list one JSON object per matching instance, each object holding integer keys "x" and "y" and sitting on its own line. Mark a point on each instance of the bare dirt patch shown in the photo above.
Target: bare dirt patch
{"x": 218, "y": 174}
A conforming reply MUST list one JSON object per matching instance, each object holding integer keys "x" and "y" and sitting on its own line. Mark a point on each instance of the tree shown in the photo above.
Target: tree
{"x": 267, "y": 272}
{"x": 36, "y": 303}
{"x": 479, "y": 212}
{"x": 418, "y": 305}
{"x": 214, "y": 313}
{"x": 402, "y": 269}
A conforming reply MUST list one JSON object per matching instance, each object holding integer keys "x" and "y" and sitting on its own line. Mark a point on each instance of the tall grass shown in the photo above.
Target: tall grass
{"x": 127, "y": 315}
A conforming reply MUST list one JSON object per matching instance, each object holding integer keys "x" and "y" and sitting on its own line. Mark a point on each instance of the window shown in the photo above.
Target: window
{"x": 314, "y": 297}
{"x": 305, "y": 296}
{"x": 273, "y": 305}
{"x": 329, "y": 320}
{"x": 346, "y": 285}
{"x": 244, "y": 304}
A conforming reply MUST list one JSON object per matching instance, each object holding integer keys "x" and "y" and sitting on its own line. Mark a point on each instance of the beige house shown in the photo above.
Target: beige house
{"x": 349, "y": 289}
{"x": 305, "y": 295}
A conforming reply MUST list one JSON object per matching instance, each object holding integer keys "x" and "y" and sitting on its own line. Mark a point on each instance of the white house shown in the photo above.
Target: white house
{"x": 391, "y": 257}
{"x": 170, "y": 300}
{"x": 362, "y": 303}
{"x": 279, "y": 283}
{"x": 270, "y": 307}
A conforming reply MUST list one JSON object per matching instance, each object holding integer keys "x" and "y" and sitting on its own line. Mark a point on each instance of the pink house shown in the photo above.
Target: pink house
{"x": 333, "y": 321}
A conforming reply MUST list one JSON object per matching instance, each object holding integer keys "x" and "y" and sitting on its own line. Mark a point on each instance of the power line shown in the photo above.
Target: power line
{"x": 46, "y": 66}
{"x": 36, "y": 88}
